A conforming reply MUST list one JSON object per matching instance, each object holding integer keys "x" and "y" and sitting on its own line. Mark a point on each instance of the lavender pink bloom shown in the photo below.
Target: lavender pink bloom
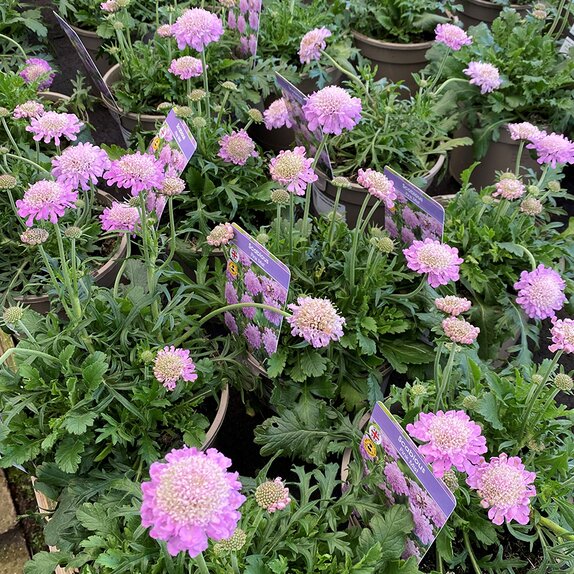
{"x": 422, "y": 527}
{"x": 237, "y": 148}
{"x": 186, "y": 67}
{"x": 272, "y": 290}
{"x": 292, "y": 169}
{"x": 252, "y": 283}
{"x": 316, "y": 320}
{"x": 451, "y": 438}
{"x": 460, "y": 331}
{"x": 221, "y": 234}
{"x": 485, "y": 76}
{"x": 562, "y": 335}
{"x": 453, "y": 305}
{"x": 277, "y": 115}
{"x": 509, "y": 188}
{"x": 440, "y": 261}
{"x": 120, "y": 217}
{"x": 252, "y": 336}
{"x": 312, "y": 43}
{"x": 395, "y": 478}
{"x": 523, "y": 131}
{"x": 137, "y": 172}
{"x": 45, "y": 200}
{"x": 505, "y": 488}
{"x": 452, "y": 36}
{"x": 249, "y": 312}
{"x": 164, "y": 31}
{"x": 197, "y": 28}
{"x": 190, "y": 499}
{"x": 27, "y": 110}
{"x": 552, "y": 149}
{"x": 172, "y": 365}
{"x": 541, "y": 292}
{"x": 38, "y": 70}
{"x": 378, "y": 185}
{"x": 230, "y": 322}
{"x": 269, "y": 339}
{"x": 231, "y": 294}
{"x": 53, "y": 126}
{"x": 80, "y": 165}
{"x": 333, "y": 110}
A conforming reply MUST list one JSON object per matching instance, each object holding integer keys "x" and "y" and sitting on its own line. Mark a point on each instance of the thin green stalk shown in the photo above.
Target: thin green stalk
{"x": 440, "y": 69}
{"x": 201, "y": 565}
{"x": 449, "y": 81}
{"x": 291, "y": 222}
{"x": 277, "y": 228}
{"x": 13, "y": 282}
{"x": 356, "y": 232}
{"x": 241, "y": 306}
{"x": 471, "y": 555}
{"x": 15, "y": 44}
{"x": 31, "y": 352}
{"x": 122, "y": 267}
{"x": 543, "y": 176}
{"x": 334, "y": 215}
{"x": 519, "y": 158}
{"x": 171, "y": 234}
{"x": 150, "y": 266}
{"x": 54, "y": 280}
{"x": 73, "y": 294}
{"x": 320, "y": 149}
{"x": 445, "y": 377}
{"x": 10, "y": 137}
{"x": 411, "y": 294}
{"x": 223, "y": 103}
{"x": 530, "y": 257}
{"x": 205, "y": 87}
{"x": 353, "y": 77}
{"x": 26, "y": 160}
{"x": 558, "y": 17}
{"x": 556, "y": 528}
{"x": 370, "y": 215}
{"x": 25, "y": 330}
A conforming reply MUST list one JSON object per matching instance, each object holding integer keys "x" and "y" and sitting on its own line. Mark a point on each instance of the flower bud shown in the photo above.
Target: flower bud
{"x": 554, "y": 186}
{"x": 470, "y": 402}
{"x": 12, "y": 315}
{"x": 383, "y": 244}
{"x": 419, "y": 390}
{"x": 7, "y": 181}
{"x": 196, "y": 95}
{"x": 533, "y": 190}
{"x": 280, "y": 196}
{"x": 198, "y": 123}
{"x": 164, "y": 106}
{"x": 255, "y": 115}
{"x": 341, "y": 182}
{"x": 147, "y": 356}
{"x": 73, "y": 232}
{"x": 233, "y": 544}
{"x": 451, "y": 480}
{"x": 262, "y": 238}
{"x": 563, "y": 382}
{"x": 537, "y": 379}
{"x": 229, "y": 86}
{"x": 183, "y": 111}
{"x": 4, "y": 112}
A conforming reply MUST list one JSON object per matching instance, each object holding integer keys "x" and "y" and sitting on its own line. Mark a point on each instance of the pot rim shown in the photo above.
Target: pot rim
{"x": 86, "y": 32}
{"x": 217, "y": 422}
{"x": 392, "y": 45}
{"x": 52, "y": 96}
{"x": 488, "y": 4}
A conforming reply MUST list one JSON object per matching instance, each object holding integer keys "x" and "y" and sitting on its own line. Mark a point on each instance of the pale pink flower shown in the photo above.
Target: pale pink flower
{"x": 53, "y": 126}
{"x": 237, "y": 148}
{"x": 333, "y": 110}
{"x": 509, "y": 187}
{"x": 222, "y": 234}
{"x": 110, "y": 6}
{"x": 293, "y": 170}
{"x": 277, "y": 115}
{"x": 453, "y": 305}
{"x": 485, "y": 76}
{"x": 452, "y": 36}
{"x": 272, "y": 495}
{"x": 312, "y": 43}
{"x": 29, "y": 109}
{"x": 531, "y": 206}
{"x": 460, "y": 330}
{"x": 378, "y": 185}
{"x": 164, "y": 31}
{"x": 45, "y": 200}
{"x": 173, "y": 364}
{"x": 137, "y": 172}
{"x": 316, "y": 320}
{"x": 80, "y": 165}
{"x": 186, "y": 67}
{"x": 197, "y": 28}
{"x": 523, "y": 131}
{"x": 541, "y": 292}
{"x": 552, "y": 149}
{"x": 38, "y": 70}
{"x": 562, "y": 335}
{"x": 440, "y": 261}
{"x": 120, "y": 217}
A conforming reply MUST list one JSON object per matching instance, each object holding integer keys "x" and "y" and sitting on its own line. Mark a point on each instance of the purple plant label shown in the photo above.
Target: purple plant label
{"x": 295, "y": 99}
{"x": 415, "y": 215}
{"x": 245, "y": 18}
{"x": 174, "y": 145}
{"x": 254, "y": 275}
{"x": 408, "y": 480}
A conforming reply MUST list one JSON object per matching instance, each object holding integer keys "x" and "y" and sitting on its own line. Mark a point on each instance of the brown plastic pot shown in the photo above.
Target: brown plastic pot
{"x": 55, "y": 97}
{"x": 397, "y": 62}
{"x": 324, "y": 194}
{"x": 476, "y": 11}
{"x": 130, "y": 121}
{"x": 93, "y": 44}
{"x": 500, "y": 156}
{"x": 103, "y": 277}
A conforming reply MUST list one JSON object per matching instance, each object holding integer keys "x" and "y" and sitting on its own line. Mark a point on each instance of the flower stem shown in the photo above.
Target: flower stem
{"x": 278, "y": 229}
{"x": 68, "y": 281}
{"x": 15, "y": 44}
{"x": 471, "y": 555}
{"x": 171, "y": 234}
{"x": 320, "y": 149}
{"x": 412, "y": 293}
{"x": 341, "y": 69}
{"x": 370, "y": 215}
{"x": 11, "y": 138}
{"x": 200, "y": 560}
{"x": 445, "y": 378}
{"x": 356, "y": 232}
{"x": 122, "y": 267}
{"x": 205, "y": 86}
{"x": 543, "y": 176}
{"x": 26, "y": 160}
{"x": 33, "y": 353}
{"x": 556, "y": 528}
{"x": 518, "y": 158}
{"x": 334, "y": 215}
{"x": 241, "y": 306}
{"x": 291, "y": 222}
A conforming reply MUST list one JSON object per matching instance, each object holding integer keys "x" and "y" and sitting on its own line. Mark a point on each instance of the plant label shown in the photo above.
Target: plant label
{"x": 244, "y": 18}
{"x": 254, "y": 275}
{"x": 568, "y": 42}
{"x": 406, "y": 479}
{"x": 295, "y": 99}
{"x": 415, "y": 215}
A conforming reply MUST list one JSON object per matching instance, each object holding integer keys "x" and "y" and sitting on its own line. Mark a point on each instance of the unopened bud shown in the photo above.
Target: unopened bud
{"x": 73, "y": 232}
{"x": 229, "y": 86}
{"x": 255, "y": 115}
{"x": 12, "y": 315}
{"x": 196, "y": 95}
{"x": 563, "y": 382}
{"x": 280, "y": 196}
{"x": 470, "y": 402}
{"x": 198, "y": 123}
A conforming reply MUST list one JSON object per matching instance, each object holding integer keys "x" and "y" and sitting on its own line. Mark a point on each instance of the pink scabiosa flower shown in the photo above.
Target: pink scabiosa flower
{"x": 249, "y": 312}
{"x": 452, "y": 36}
{"x": 231, "y": 294}
{"x": 540, "y": 292}
{"x": 562, "y": 335}
{"x": 453, "y": 305}
{"x": 460, "y": 331}
{"x": 29, "y": 109}
{"x": 509, "y": 187}
{"x": 237, "y": 148}
{"x": 110, "y": 6}
{"x": 552, "y": 148}
{"x": 378, "y": 185}
{"x": 252, "y": 283}
{"x": 440, "y": 261}
{"x": 45, "y": 200}
{"x": 186, "y": 67}
{"x": 38, "y": 70}
{"x": 485, "y": 76}
{"x": 191, "y": 498}
{"x": 293, "y": 170}
{"x": 252, "y": 335}
{"x": 316, "y": 320}
{"x": 277, "y": 115}
{"x": 173, "y": 364}
{"x": 80, "y": 165}
{"x": 120, "y": 217}
{"x": 312, "y": 43}
{"x": 137, "y": 172}
{"x": 164, "y": 31}
{"x": 272, "y": 495}
{"x": 505, "y": 487}
{"x": 422, "y": 526}
{"x": 269, "y": 340}
{"x": 221, "y": 234}
{"x": 396, "y": 478}
{"x": 451, "y": 438}
{"x": 53, "y": 126}
{"x": 333, "y": 110}
{"x": 523, "y": 131}
{"x": 197, "y": 28}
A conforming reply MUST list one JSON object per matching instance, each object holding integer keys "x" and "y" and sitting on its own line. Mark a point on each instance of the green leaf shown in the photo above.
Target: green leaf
{"x": 313, "y": 364}
{"x": 94, "y": 517}
{"x": 94, "y": 369}
{"x": 276, "y": 363}
{"x": 366, "y": 344}
{"x": 78, "y": 423}
{"x": 403, "y": 353}
{"x": 402, "y": 567}
{"x": 68, "y": 455}
{"x": 44, "y": 562}
{"x": 488, "y": 408}
{"x": 390, "y": 530}
{"x": 369, "y": 324}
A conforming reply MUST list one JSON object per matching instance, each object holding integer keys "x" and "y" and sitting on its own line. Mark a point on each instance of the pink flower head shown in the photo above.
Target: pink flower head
{"x": 293, "y": 170}
{"x": 137, "y": 171}
{"x": 316, "y": 320}
{"x": 197, "y": 28}
{"x": 120, "y": 217}
{"x": 165, "y": 31}
{"x": 562, "y": 335}
{"x": 312, "y": 43}
{"x": 485, "y": 76}
{"x": 230, "y": 322}
{"x": 186, "y": 67}
{"x": 509, "y": 188}
{"x": 272, "y": 495}
{"x": 80, "y": 165}
{"x": 110, "y": 6}
{"x": 252, "y": 283}
{"x": 222, "y": 234}
{"x": 277, "y": 115}
{"x": 378, "y": 185}
{"x": 269, "y": 340}
{"x": 453, "y": 305}
{"x": 332, "y": 109}
{"x": 396, "y": 479}
{"x": 191, "y": 498}
{"x": 252, "y": 335}
{"x": 452, "y": 36}
{"x": 552, "y": 148}
{"x": 52, "y": 126}
{"x": 451, "y": 438}
{"x": 173, "y": 364}
{"x": 504, "y": 486}
{"x": 45, "y": 200}
{"x": 460, "y": 330}
{"x": 237, "y": 147}
{"x": 38, "y": 70}
{"x": 540, "y": 292}
{"x": 29, "y": 109}
{"x": 439, "y": 260}
{"x": 523, "y": 131}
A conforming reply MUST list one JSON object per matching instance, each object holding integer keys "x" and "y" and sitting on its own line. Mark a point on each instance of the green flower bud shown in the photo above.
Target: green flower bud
{"x": 255, "y": 115}
{"x": 280, "y": 196}
{"x": 419, "y": 390}
{"x": 183, "y": 111}
{"x": 73, "y": 232}
{"x": 233, "y": 544}
{"x": 4, "y": 112}
{"x": 554, "y": 186}
{"x": 470, "y": 402}
{"x": 263, "y": 238}
{"x": 196, "y": 95}
{"x": 451, "y": 480}
{"x": 4, "y": 149}
{"x": 537, "y": 379}
{"x": 341, "y": 182}
{"x": 383, "y": 244}
{"x": 7, "y": 181}
{"x": 535, "y": 446}
{"x": 533, "y": 190}
{"x": 198, "y": 123}
{"x": 147, "y": 356}
{"x": 164, "y": 106}
{"x": 12, "y": 315}
{"x": 229, "y": 86}
{"x": 507, "y": 175}
{"x": 563, "y": 382}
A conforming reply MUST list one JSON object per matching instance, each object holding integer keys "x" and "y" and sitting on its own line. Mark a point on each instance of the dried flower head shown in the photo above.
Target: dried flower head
{"x": 34, "y": 236}
{"x": 53, "y": 126}
{"x": 485, "y": 76}
{"x": 316, "y": 320}
{"x": 237, "y": 148}
{"x": 541, "y": 292}
{"x": 312, "y": 43}
{"x": 222, "y": 234}
{"x": 272, "y": 495}
{"x": 460, "y": 331}
{"x": 531, "y": 206}
{"x": 45, "y": 200}
{"x": 173, "y": 364}
{"x": 440, "y": 261}
{"x": 171, "y": 186}
{"x": 293, "y": 170}
{"x": 197, "y": 28}
{"x": 7, "y": 181}
{"x": 333, "y": 110}
{"x": 453, "y": 305}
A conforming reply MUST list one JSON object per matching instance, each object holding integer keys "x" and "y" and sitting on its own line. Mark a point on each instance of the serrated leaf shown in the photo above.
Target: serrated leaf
{"x": 68, "y": 455}
{"x": 488, "y": 408}
{"x": 93, "y": 372}
{"x": 276, "y": 363}
{"x": 78, "y": 423}
{"x": 369, "y": 324}
{"x": 44, "y": 562}
{"x": 313, "y": 364}
{"x": 390, "y": 530}
{"x": 95, "y": 518}
{"x": 367, "y": 345}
